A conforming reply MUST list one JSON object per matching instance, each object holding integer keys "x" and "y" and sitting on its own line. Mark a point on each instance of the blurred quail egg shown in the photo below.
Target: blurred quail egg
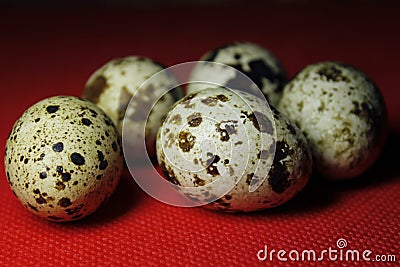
{"x": 112, "y": 86}
{"x": 230, "y": 135}
{"x": 342, "y": 114}
{"x": 257, "y": 63}
{"x": 63, "y": 158}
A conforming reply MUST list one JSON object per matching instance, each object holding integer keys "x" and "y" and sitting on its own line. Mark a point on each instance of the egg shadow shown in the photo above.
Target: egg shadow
{"x": 320, "y": 193}
{"x": 384, "y": 170}
{"x": 316, "y": 196}
{"x": 126, "y": 196}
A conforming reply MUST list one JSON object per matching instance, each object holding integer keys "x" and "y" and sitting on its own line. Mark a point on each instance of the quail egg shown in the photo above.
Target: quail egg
{"x": 63, "y": 158}
{"x": 112, "y": 86}
{"x": 255, "y": 62}
{"x": 343, "y": 115}
{"x": 230, "y": 139}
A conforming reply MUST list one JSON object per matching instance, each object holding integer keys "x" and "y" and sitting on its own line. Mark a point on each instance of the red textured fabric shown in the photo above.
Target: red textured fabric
{"x": 53, "y": 52}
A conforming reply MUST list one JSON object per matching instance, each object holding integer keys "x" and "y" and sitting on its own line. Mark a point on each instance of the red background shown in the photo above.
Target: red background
{"x": 52, "y": 51}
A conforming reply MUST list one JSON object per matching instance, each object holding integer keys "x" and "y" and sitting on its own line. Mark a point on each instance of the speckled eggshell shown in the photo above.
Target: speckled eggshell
{"x": 214, "y": 133}
{"x": 63, "y": 158}
{"x": 112, "y": 86}
{"x": 342, "y": 114}
{"x": 259, "y": 64}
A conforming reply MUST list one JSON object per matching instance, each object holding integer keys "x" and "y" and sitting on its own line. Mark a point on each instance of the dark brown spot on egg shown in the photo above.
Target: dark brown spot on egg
{"x": 213, "y": 100}
{"x": 94, "y": 90}
{"x": 228, "y": 197}
{"x": 170, "y": 139}
{"x": 300, "y": 105}
{"x": 222, "y": 98}
{"x": 209, "y": 101}
{"x": 176, "y": 119}
{"x": 64, "y": 202}
{"x": 59, "y": 169}
{"x": 259, "y": 70}
{"x": 186, "y": 101}
{"x": 260, "y": 121}
{"x": 59, "y": 186}
{"x": 222, "y": 204}
{"x": 211, "y": 164}
{"x": 40, "y": 200}
{"x": 321, "y": 106}
{"x": 58, "y": 147}
{"x": 226, "y": 130}
{"x": 43, "y": 175}
{"x": 77, "y": 159}
{"x": 279, "y": 175}
{"x": 103, "y": 165}
{"x": 363, "y": 111}
{"x": 86, "y": 122}
{"x": 108, "y": 122}
{"x": 93, "y": 112}
{"x": 224, "y": 134}
{"x": 186, "y": 141}
{"x": 52, "y": 109}
{"x": 100, "y": 155}
{"x": 194, "y": 119}
{"x": 37, "y": 119}
{"x": 238, "y": 143}
{"x": 114, "y": 146}
{"x": 197, "y": 181}
{"x": 249, "y": 178}
{"x": 169, "y": 174}
{"x": 73, "y": 211}
{"x": 66, "y": 177}
{"x": 332, "y": 73}
{"x": 124, "y": 99}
